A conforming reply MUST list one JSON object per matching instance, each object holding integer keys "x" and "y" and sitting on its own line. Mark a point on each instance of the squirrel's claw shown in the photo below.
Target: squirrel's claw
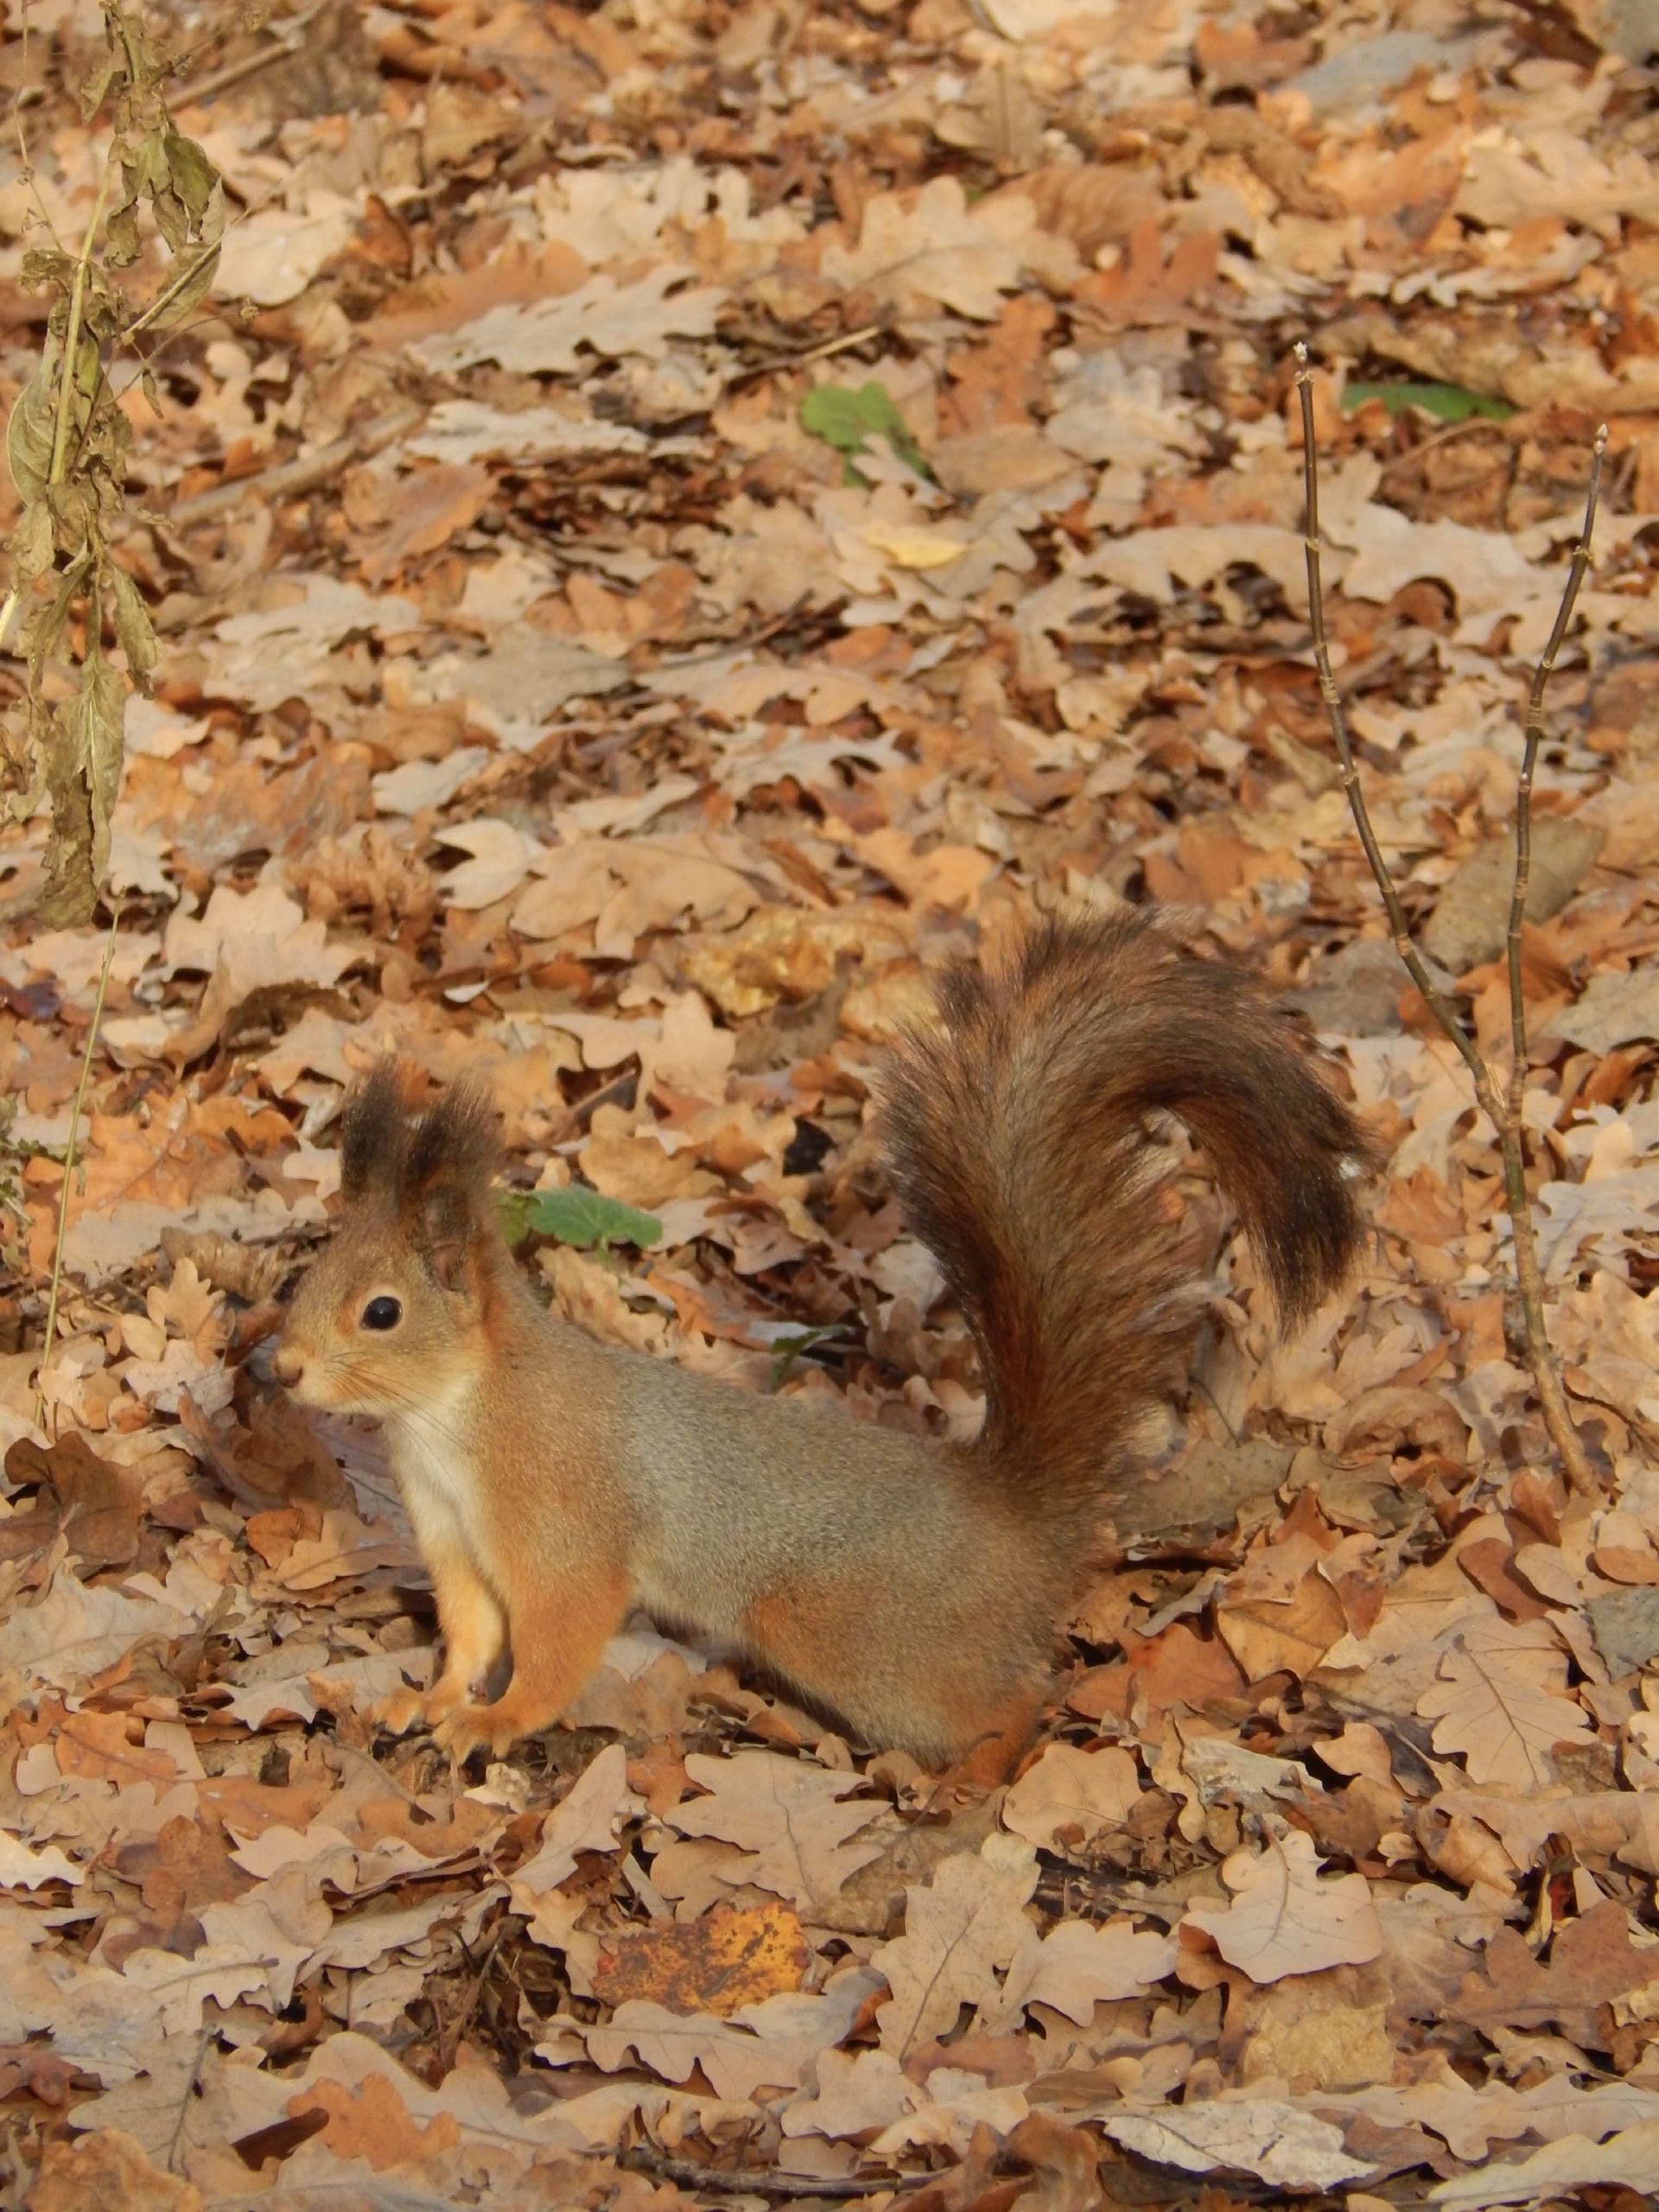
{"x": 472, "y": 1727}
{"x": 403, "y": 1710}
{"x": 406, "y": 1708}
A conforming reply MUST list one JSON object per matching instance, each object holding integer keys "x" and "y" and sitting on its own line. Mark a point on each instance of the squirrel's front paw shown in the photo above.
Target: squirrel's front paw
{"x": 406, "y": 1708}
{"x": 472, "y": 1726}
{"x": 403, "y": 1710}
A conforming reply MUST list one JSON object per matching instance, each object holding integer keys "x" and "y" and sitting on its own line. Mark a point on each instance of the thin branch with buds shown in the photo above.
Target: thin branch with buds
{"x": 1501, "y": 1108}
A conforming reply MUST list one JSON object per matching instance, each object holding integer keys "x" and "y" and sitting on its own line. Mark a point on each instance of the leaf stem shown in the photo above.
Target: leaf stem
{"x": 69, "y": 1163}
{"x": 71, "y": 335}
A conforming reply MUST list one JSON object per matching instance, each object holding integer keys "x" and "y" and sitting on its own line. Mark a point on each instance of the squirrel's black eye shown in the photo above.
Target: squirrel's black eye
{"x": 382, "y": 1314}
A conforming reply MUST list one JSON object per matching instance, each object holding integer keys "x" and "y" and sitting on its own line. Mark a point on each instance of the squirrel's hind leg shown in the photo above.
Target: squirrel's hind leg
{"x": 558, "y": 1628}
{"x": 474, "y": 1631}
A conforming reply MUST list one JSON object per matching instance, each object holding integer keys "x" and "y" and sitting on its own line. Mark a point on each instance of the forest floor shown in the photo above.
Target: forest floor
{"x": 773, "y": 497}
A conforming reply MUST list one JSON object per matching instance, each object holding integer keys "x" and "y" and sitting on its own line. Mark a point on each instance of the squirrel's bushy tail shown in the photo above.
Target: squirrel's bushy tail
{"x": 1021, "y": 1151}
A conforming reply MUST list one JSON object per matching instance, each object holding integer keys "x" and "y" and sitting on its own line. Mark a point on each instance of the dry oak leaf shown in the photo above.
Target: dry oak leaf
{"x": 543, "y": 338}
{"x": 969, "y": 1920}
{"x": 767, "y": 2045}
{"x": 1289, "y": 2149}
{"x": 1497, "y": 1700}
{"x": 626, "y": 887}
{"x": 859, "y": 2094}
{"x": 107, "y": 2171}
{"x": 1076, "y": 1966}
{"x": 346, "y": 1549}
{"x": 1072, "y": 1793}
{"x": 1284, "y": 1919}
{"x": 427, "y": 507}
{"x": 374, "y": 2123}
{"x": 1470, "y": 2120}
{"x": 24, "y": 1869}
{"x": 1265, "y": 1635}
{"x": 717, "y": 1964}
{"x": 589, "y": 1819}
{"x": 1609, "y": 1823}
{"x": 1591, "y": 1960}
{"x": 929, "y": 249}
{"x": 1627, "y": 2161}
{"x": 788, "y": 1815}
{"x": 74, "y": 1632}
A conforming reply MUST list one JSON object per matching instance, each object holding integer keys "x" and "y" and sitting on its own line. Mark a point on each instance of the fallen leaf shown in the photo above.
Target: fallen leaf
{"x": 716, "y": 1964}
{"x": 545, "y": 338}
{"x": 787, "y": 1815}
{"x": 1629, "y": 2160}
{"x": 968, "y": 1921}
{"x": 766, "y": 2045}
{"x": 1284, "y": 1919}
{"x": 1075, "y": 1966}
{"x": 1286, "y": 2148}
{"x": 1072, "y": 1793}
{"x": 1498, "y": 1701}
{"x": 1591, "y": 1960}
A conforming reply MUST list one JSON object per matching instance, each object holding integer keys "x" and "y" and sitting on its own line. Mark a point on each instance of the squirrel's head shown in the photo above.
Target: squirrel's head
{"x": 392, "y": 1309}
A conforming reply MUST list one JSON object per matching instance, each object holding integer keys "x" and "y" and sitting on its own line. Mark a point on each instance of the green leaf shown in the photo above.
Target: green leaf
{"x": 785, "y": 1351}
{"x": 577, "y": 1216}
{"x": 1447, "y": 403}
{"x": 134, "y": 629}
{"x": 845, "y": 419}
{"x": 28, "y": 433}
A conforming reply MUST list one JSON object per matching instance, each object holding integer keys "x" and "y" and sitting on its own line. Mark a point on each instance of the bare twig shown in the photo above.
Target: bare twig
{"x": 1502, "y": 1111}
{"x": 286, "y": 40}
{"x": 760, "y": 2181}
{"x": 69, "y": 1162}
{"x": 208, "y": 2034}
{"x": 72, "y": 336}
{"x": 304, "y": 474}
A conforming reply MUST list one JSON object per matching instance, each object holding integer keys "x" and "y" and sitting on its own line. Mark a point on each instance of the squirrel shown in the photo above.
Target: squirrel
{"x": 911, "y": 1588}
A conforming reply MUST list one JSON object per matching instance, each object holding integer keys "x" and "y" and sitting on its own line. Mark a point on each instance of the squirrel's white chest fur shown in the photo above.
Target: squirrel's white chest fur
{"x": 436, "y": 1469}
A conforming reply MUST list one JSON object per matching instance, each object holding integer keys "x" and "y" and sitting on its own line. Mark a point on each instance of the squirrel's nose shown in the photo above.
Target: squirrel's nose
{"x": 288, "y": 1364}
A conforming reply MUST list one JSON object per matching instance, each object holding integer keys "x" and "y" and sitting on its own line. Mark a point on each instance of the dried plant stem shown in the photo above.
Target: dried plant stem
{"x": 71, "y": 335}
{"x": 1502, "y": 1111}
{"x": 69, "y": 1162}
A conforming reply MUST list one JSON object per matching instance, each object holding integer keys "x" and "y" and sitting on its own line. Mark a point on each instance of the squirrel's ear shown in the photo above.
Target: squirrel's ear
{"x": 453, "y": 1154}
{"x": 373, "y": 1134}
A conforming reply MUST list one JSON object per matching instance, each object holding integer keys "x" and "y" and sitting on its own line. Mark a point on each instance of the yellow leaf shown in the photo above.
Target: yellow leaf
{"x": 909, "y": 548}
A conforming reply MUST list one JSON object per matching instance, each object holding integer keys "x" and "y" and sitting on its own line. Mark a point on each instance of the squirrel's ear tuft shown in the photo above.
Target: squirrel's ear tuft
{"x": 451, "y": 1162}
{"x": 373, "y": 1134}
